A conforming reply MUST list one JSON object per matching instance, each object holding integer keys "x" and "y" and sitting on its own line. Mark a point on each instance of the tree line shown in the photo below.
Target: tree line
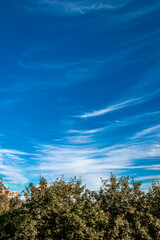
{"x": 70, "y": 211}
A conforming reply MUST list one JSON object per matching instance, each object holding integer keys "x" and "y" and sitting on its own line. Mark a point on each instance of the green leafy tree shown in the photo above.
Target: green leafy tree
{"x": 4, "y": 205}
{"x": 60, "y": 211}
{"x": 69, "y": 211}
{"x": 1, "y": 183}
{"x": 129, "y": 211}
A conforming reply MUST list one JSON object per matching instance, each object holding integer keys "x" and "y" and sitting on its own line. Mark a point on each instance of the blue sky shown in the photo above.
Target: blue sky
{"x": 79, "y": 90}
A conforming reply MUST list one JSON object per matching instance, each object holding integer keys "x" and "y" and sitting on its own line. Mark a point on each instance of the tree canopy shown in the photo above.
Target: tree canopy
{"x": 68, "y": 210}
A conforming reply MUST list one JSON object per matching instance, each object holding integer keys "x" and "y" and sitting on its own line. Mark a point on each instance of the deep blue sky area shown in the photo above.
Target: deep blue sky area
{"x": 79, "y": 90}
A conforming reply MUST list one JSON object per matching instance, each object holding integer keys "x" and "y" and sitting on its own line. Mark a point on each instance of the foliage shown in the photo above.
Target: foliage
{"x": 1, "y": 183}
{"x": 63, "y": 211}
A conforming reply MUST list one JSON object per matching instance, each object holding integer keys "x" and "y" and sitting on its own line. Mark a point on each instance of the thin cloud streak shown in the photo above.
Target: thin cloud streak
{"x": 72, "y": 7}
{"x": 120, "y": 123}
{"x": 91, "y": 131}
{"x": 147, "y": 131}
{"x": 134, "y": 120}
{"x": 60, "y": 7}
{"x": 154, "y": 177}
{"x": 111, "y": 108}
{"x": 80, "y": 6}
{"x": 121, "y": 105}
{"x": 78, "y": 70}
{"x": 12, "y": 165}
{"x": 82, "y": 139}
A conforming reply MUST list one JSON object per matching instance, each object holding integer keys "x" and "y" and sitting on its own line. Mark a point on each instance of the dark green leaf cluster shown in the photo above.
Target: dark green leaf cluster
{"x": 68, "y": 211}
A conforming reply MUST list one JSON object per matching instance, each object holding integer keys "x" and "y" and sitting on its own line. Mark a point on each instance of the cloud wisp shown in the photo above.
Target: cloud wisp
{"x": 82, "y": 156}
{"x": 147, "y": 132}
{"x": 152, "y": 177}
{"x": 136, "y": 119}
{"x": 146, "y": 118}
{"x": 72, "y": 7}
{"x": 12, "y": 164}
{"x": 124, "y": 104}
{"x": 111, "y": 108}
{"x": 92, "y": 160}
{"x": 81, "y": 7}
{"x": 91, "y": 131}
{"x": 81, "y": 67}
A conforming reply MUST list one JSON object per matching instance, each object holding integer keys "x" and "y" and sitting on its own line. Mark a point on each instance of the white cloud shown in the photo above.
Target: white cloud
{"x": 154, "y": 167}
{"x": 127, "y": 103}
{"x": 92, "y": 161}
{"x": 91, "y": 131}
{"x": 111, "y": 108}
{"x": 12, "y": 165}
{"x": 148, "y": 131}
{"x": 152, "y": 177}
{"x": 81, "y": 153}
{"x": 82, "y": 139}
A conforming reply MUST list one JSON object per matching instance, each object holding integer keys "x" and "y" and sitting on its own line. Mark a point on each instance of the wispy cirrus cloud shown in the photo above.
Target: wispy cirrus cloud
{"x": 82, "y": 156}
{"x": 91, "y": 161}
{"x": 82, "y": 7}
{"x": 43, "y": 58}
{"x": 141, "y": 97}
{"x": 139, "y": 11}
{"x": 72, "y": 7}
{"x": 148, "y": 132}
{"x": 135, "y": 119}
{"x": 91, "y": 131}
{"x": 75, "y": 69}
{"x": 80, "y": 67}
{"x": 81, "y": 139}
{"x": 146, "y": 118}
{"x": 111, "y": 108}
{"x": 12, "y": 165}
{"x": 152, "y": 177}
{"x": 87, "y": 136}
